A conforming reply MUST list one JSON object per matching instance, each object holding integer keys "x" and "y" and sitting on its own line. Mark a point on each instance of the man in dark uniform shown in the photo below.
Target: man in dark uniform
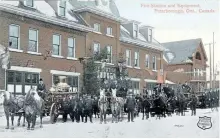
{"x": 88, "y": 108}
{"x": 130, "y": 103}
{"x": 193, "y": 105}
{"x": 41, "y": 89}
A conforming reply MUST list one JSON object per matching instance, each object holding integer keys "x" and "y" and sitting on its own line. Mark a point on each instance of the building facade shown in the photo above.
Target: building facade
{"x": 189, "y": 63}
{"x": 47, "y": 41}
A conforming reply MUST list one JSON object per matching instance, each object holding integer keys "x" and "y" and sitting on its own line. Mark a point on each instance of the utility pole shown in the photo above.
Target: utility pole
{"x": 213, "y": 85}
{"x": 210, "y": 56}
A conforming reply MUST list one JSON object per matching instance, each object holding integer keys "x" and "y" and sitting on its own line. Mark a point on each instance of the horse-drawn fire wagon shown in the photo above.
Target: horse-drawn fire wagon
{"x": 59, "y": 99}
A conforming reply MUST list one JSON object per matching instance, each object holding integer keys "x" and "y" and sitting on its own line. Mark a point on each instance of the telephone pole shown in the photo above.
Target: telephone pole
{"x": 213, "y": 72}
{"x": 210, "y": 64}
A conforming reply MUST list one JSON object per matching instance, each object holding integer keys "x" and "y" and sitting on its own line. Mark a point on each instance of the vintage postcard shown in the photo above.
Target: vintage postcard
{"x": 109, "y": 68}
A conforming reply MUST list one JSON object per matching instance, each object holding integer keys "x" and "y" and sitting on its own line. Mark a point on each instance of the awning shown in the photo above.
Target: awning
{"x": 150, "y": 80}
{"x": 169, "y": 82}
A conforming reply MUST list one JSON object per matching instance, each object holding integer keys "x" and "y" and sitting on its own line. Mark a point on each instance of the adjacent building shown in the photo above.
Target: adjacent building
{"x": 187, "y": 64}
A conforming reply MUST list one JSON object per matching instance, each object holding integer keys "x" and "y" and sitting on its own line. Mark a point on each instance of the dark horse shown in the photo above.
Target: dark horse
{"x": 159, "y": 106}
{"x": 34, "y": 105}
{"x": 145, "y": 107}
{"x": 13, "y": 105}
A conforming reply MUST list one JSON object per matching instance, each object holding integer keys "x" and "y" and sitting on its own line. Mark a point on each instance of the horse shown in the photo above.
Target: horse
{"x": 13, "y": 105}
{"x": 121, "y": 103}
{"x": 114, "y": 109}
{"x": 145, "y": 107}
{"x": 103, "y": 104}
{"x": 34, "y": 106}
{"x": 159, "y": 106}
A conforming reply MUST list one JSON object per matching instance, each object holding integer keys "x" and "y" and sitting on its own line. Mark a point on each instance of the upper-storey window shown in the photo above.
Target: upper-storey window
{"x": 109, "y": 54}
{"x": 198, "y": 56}
{"x": 150, "y": 35}
{"x": 135, "y": 30}
{"x": 147, "y": 61}
{"x": 154, "y": 63}
{"x": 96, "y": 48}
{"x": 109, "y": 30}
{"x": 29, "y": 3}
{"x": 56, "y": 45}
{"x": 97, "y": 27}
{"x": 71, "y": 47}
{"x": 33, "y": 40}
{"x": 136, "y": 59}
{"x": 128, "y": 57}
{"x": 14, "y": 36}
{"x": 62, "y": 8}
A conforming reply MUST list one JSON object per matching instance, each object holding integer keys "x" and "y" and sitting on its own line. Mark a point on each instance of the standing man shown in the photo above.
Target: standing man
{"x": 130, "y": 107}
{"x": 193, "y": 105}
{"x": 88, "y": 108}
{"x": 41, "y": 89}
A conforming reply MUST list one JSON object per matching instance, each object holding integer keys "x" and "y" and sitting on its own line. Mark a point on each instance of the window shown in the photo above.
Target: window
{"x": 128, "y": 57}
{"x": 194, "y": 72}
{"x": 72, "y": 81}
{"x": 198, "y": 72}
{"x": 135, "y": 30}
{"x": 14, "y": 36}
{"x": 31, "y": 78}
{"x": 62, "y": 8}
{"x": 97, "y": 27}
{"x": 135, "y": 86}
{"x": 109, "y": 55}
{"x": 147, "y": 61}
{"x": 198, "y": 56}
{"x": 201, "y": 72}
{"x": 136, "y": 59}
{"x": 21, "y": 82}
{"x": 149, "y": 35}
{"x": 30, "y": 3}
{"x": 109, "y": 30}
{"x": 71, "y": 47}
{"x": 33, "y": 40}
{"x": 56, "y": 44}
{"x": 154, "y": 63}
{"x": 96, "y": 48}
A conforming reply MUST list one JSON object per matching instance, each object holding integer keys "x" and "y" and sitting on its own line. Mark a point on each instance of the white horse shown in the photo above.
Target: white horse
{"x": 102, "y": 103}
{"x": 34, "y": 105}
{"x": 13, "y": 105}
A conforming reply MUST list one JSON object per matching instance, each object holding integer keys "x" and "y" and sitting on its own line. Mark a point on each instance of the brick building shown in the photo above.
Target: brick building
{"x": 70, "y": 30}
{"x": 189, "y": 63}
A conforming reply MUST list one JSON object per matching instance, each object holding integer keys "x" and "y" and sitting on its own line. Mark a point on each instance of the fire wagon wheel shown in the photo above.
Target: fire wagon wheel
{"x": 53, "y": 113}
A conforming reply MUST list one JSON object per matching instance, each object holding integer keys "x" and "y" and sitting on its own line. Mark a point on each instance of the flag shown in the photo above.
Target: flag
{"x": 161, "y": 76}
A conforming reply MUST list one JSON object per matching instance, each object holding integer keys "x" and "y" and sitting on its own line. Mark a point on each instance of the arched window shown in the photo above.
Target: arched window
{"x": 198, "y": 56}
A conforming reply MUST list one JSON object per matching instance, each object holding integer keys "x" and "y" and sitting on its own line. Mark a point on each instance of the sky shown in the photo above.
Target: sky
{"x": 191, "y": 24}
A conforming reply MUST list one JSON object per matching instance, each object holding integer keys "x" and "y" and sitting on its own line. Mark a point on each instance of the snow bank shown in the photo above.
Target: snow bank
{"x": 170, "y": 127}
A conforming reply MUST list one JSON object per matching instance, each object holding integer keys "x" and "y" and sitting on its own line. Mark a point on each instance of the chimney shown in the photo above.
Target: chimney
{"x": 147, "y": 32}
{"x": 132, "y": 26}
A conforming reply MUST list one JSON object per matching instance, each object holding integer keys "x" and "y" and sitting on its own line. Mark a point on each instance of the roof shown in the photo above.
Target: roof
{"x": 140, "y": 41}
{"x": 183, "y": 50}
{"x": 110, "y": 6}
{"x": 47, "y": 12}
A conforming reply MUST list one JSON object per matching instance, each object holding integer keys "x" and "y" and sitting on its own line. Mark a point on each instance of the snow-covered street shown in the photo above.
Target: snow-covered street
{"x": 175, "y": 126}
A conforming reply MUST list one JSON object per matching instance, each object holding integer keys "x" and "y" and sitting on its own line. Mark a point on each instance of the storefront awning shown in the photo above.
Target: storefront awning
{"x": 169, "y": 82}
{"x": 150, "y": 81}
